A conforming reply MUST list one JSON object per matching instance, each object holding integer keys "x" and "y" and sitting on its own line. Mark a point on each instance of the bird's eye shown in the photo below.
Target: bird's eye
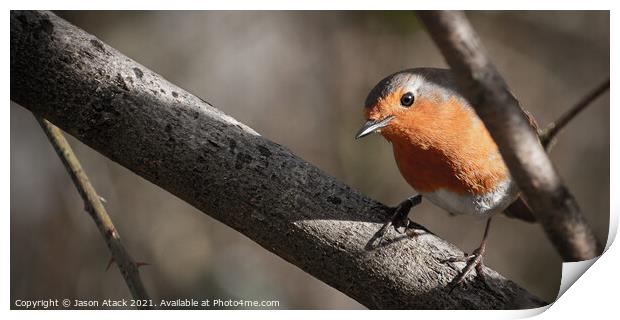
{"x": 407, "y": 99}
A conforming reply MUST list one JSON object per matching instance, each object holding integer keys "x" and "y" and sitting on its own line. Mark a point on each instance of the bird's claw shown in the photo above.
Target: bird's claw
{"x": 399, "y": 220}
{"x": 473, "y": 261}
{"x": 463, "y": 258}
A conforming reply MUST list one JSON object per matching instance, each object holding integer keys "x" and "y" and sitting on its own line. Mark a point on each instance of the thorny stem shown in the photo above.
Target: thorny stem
{"x": 94, "y": 206}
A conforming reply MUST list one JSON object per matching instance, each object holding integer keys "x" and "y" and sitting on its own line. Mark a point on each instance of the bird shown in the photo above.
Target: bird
{"x": 442, "y": 149}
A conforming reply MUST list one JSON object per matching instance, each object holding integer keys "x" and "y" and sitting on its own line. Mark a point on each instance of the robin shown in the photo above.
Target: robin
{"x": 441, "y": 148}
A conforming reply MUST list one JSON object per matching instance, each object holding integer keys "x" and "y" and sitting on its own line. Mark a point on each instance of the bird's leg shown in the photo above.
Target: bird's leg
{"x": 400, "y": 216}
{"x": 474, "y": 261}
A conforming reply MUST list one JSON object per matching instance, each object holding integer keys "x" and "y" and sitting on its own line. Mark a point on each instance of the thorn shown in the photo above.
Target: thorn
{"x": 110, "y": 263}
{"x": 103, "y": 199}
{"x": 138, "y": 264}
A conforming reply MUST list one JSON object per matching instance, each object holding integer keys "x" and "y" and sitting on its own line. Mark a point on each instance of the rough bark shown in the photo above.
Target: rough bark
{"x": 550, "y": 200}
{"x": 224, "y": 168}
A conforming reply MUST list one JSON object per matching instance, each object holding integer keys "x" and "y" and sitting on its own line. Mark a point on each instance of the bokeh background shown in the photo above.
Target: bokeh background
{"x": 299, "y": 79}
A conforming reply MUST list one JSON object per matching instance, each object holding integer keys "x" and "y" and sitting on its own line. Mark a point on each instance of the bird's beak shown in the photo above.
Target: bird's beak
{"x": 372, "y": 125}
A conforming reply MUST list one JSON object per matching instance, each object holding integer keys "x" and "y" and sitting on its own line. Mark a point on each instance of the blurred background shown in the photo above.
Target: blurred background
{"x": 299, "y": 79}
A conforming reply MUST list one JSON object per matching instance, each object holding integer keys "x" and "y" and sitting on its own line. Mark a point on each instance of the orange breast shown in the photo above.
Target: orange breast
{"x": 445, "y": 147}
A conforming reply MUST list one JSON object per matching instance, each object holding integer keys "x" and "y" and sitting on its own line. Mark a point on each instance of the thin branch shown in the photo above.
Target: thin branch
{"x": 551, "y": 131}
{"x": 519, "y": 209}
{"x": 93, "y": 205}
{"x": 225, "y": 169}
{"x": 542, "y": 188}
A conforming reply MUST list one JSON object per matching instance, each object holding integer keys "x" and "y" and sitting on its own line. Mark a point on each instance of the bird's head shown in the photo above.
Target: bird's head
{"x": 409, "y": 103}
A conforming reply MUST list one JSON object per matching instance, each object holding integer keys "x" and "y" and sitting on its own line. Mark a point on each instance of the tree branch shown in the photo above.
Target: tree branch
{"x": 225, "y": 169}
{"x": 519, "y": 209}
{"x": 542, "y": 188}
{"x": 548, "y": 134}
{"x": 96, "y": 209}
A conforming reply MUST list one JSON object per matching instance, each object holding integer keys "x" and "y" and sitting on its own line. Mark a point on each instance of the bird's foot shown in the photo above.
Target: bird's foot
{"x": 399, "y": 218}
{"x": 473, "y": 261}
